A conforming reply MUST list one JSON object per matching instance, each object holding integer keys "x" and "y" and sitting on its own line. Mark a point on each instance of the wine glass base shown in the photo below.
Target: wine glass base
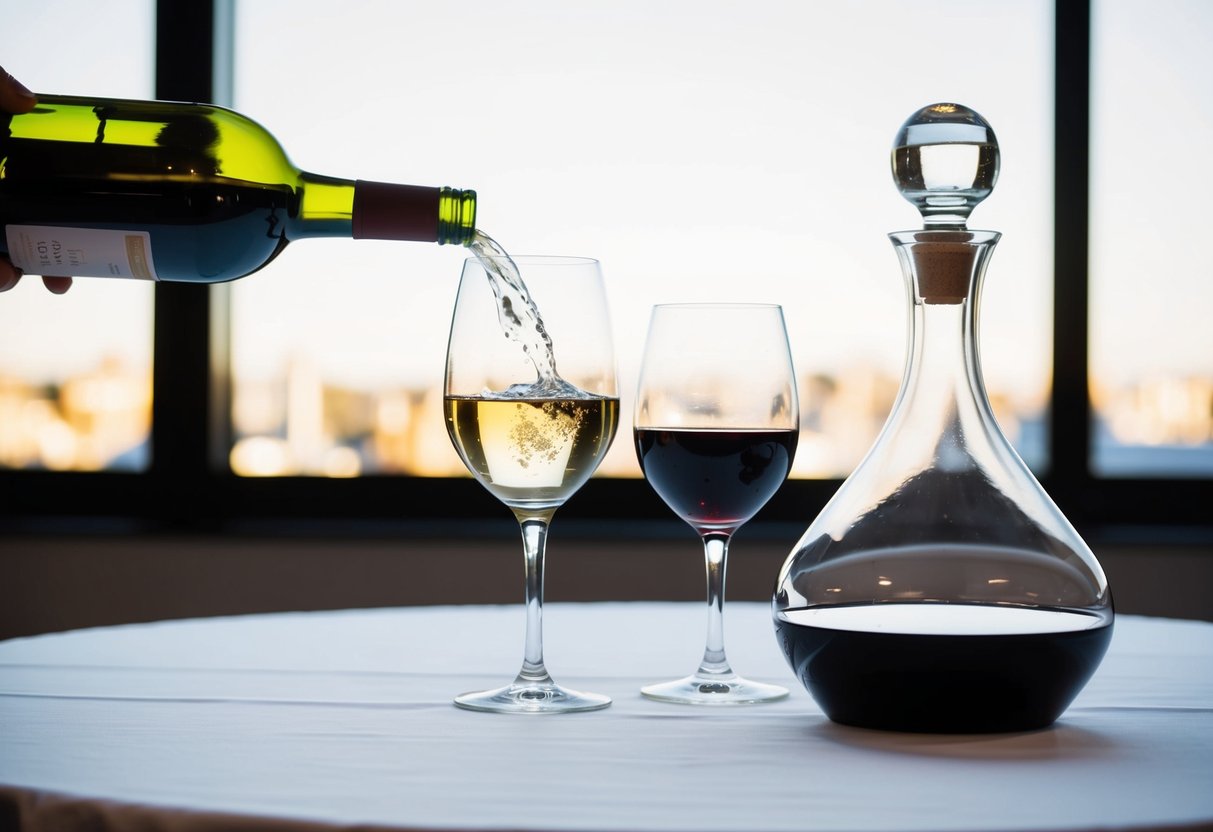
{"x": 532, "y": 698}
{"x": 709, "y": 690}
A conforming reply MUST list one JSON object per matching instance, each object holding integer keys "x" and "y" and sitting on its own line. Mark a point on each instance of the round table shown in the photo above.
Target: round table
{"x": 312, "y": 721}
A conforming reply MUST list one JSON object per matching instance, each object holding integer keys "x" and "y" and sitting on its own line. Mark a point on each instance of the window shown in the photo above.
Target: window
{"x": 1151, "y": 343}
{"x": 701, "y": 151}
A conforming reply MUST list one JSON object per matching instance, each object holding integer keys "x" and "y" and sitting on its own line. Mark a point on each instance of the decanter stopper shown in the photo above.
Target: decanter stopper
{"x": 945, "y": 161}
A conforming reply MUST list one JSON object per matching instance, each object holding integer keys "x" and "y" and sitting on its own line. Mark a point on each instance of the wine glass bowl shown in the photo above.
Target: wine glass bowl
{"x": 530, "y": 431}
{"x": 716, "y": 426}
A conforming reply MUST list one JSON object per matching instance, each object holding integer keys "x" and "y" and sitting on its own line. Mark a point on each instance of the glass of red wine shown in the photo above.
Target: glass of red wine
{"x": 716, "y": 425}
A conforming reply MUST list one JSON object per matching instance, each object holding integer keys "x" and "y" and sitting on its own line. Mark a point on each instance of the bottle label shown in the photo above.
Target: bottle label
{"x": 81, "y": 252}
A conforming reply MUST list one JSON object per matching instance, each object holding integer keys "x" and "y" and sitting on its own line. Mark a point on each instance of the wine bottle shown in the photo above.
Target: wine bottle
{"x": 184, "y": 192}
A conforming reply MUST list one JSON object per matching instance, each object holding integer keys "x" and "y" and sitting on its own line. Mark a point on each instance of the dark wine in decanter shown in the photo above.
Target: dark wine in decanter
{"x": 941, "y": 589}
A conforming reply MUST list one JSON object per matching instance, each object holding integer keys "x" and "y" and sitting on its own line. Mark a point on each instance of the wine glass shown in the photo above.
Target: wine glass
{"x": 531, "y": 435}
{"x": 716, "y": 426}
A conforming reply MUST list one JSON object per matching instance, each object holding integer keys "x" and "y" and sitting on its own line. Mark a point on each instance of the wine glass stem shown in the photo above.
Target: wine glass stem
{"x": 534, "y": 543}
{"x": 715, "y": 550}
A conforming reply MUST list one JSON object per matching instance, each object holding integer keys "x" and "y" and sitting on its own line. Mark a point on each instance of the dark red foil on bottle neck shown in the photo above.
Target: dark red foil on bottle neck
{"x": 384, "y": 211}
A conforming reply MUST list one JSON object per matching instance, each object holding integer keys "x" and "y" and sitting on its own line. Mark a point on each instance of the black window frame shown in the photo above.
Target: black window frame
{"x": 189, "y": 485}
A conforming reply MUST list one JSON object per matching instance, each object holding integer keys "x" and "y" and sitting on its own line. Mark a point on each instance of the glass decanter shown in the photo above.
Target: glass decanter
{"x": 941, "y": 589}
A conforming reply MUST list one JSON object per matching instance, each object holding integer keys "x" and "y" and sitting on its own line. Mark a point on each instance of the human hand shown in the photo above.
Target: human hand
{"x": 15, "y": 98}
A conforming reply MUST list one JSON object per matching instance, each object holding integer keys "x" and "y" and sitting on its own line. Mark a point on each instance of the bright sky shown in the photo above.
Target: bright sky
{"x": 702, "y": 149}
{"x": 1151, "y": 175}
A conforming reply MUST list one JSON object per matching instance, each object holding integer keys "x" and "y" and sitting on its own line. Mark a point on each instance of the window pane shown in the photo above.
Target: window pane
{"x": 701, "y": 150}
{"x": 1151, "y": 292}
{"x": 76, "y": 370}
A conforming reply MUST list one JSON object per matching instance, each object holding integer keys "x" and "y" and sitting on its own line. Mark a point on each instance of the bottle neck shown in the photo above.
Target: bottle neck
{"x": 364, "y": 210}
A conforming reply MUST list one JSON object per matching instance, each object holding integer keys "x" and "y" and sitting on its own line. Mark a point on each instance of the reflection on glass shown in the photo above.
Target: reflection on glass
{"x": 1151, "y": 343}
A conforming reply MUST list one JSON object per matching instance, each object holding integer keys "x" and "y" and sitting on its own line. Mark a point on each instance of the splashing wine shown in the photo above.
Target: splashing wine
{"x": 521, "y": 321}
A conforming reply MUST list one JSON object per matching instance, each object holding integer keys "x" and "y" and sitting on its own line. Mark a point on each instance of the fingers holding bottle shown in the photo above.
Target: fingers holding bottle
{"x": 16, "y": 98}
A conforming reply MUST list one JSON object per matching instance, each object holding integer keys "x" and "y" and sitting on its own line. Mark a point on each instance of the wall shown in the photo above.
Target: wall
{"x": 51, "y": 583}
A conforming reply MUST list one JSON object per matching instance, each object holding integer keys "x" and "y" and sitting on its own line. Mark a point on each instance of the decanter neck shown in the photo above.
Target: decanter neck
{"x": 942, "y": 392}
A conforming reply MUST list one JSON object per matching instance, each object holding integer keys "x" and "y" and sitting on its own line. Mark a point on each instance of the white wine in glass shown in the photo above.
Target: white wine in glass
{"x": 531, "y": 431}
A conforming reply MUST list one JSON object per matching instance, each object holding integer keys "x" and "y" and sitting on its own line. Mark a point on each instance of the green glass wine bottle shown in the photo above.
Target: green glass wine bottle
{"x": 184, "y": 192}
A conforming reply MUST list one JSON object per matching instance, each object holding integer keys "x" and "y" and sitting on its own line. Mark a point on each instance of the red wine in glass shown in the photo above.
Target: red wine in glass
{"x": 715, "y": 479}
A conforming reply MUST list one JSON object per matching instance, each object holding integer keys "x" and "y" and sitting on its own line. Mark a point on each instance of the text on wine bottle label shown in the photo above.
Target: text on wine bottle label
{"x": 81, "y": 252}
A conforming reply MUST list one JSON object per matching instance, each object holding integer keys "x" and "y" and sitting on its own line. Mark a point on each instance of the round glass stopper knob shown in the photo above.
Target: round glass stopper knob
{"x": 945, "y": 161}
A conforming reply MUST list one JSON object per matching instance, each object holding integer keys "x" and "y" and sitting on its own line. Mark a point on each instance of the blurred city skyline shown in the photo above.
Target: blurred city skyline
{"x": 297, "y": 424}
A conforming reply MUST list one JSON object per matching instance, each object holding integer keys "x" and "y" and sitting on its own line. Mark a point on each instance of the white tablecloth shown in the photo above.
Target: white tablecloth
{"x": 345, "y": 718}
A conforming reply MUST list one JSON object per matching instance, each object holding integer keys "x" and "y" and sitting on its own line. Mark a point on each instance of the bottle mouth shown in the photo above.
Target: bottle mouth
{"x": 456, "y": 216}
